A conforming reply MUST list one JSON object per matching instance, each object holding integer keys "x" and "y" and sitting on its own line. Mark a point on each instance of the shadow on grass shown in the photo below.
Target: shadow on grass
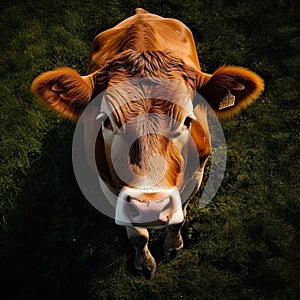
{"x": 56, "y": 239}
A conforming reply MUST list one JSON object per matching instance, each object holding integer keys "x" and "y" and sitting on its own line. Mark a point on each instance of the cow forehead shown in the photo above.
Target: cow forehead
{"x": 158, "y": 118}
{"x": 127, "y": 101}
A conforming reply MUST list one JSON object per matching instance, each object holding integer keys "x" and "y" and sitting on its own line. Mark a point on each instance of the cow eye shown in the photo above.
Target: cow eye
{"x": 187, "y": 122}
{"x": 107, "y": 124}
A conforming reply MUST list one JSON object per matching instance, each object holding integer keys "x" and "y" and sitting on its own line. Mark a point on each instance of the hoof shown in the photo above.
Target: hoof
{"x": 145, "y": 265}
{"x": 146, "y": 274}
{"x": 170, "y": 255}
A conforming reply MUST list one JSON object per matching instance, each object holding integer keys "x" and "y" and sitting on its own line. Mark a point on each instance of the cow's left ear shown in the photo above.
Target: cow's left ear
{"x": 230, "y": 89}
{"x": 64, "y": 91}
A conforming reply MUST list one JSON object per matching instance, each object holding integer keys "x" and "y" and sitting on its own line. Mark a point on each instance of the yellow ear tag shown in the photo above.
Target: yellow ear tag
{"x": 227, "y": 101}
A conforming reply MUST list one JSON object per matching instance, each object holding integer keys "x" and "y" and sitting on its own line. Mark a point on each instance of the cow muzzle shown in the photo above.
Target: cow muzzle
{"x": 148, "y": 208}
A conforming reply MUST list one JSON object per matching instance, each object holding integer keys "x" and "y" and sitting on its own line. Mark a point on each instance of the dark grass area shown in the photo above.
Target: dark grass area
{"x": 244, "y": 245}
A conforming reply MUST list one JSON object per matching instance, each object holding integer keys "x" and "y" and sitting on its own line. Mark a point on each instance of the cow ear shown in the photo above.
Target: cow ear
{"x": 64, "y": 91}
{"x": 230, "y": 89}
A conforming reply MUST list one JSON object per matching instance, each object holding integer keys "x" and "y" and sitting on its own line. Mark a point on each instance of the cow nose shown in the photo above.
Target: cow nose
{"x": 146, "y": 211}
{"x": 136, "y": 207}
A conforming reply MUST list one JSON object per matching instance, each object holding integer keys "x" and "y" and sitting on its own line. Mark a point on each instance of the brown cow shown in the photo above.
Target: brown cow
{"x": 163, "y": 134}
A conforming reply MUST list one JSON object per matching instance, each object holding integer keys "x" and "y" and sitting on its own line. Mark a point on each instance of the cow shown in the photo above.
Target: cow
{"x": 149, "y": 46}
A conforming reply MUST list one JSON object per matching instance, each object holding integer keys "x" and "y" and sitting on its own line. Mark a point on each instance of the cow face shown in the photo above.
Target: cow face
{"x": 146, "y": 134}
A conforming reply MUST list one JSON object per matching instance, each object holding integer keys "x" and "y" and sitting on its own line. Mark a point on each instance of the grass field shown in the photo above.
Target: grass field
{"x": 244, "y": 245}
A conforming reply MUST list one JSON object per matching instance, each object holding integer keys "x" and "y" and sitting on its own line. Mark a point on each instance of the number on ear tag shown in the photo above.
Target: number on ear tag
{"x": 227, "y": 101}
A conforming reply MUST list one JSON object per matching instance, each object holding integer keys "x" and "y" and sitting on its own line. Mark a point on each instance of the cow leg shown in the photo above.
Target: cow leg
{"x": 144, "y": 261}
{"x": 173, "y": 242}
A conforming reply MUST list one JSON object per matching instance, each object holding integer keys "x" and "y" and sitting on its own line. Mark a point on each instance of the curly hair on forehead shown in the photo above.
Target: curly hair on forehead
{"x": 145, "y": 81}
{"x": 132, "y": 64}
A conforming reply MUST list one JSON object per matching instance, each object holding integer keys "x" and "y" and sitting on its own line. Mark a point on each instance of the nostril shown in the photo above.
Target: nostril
{"x": 128, "y": 198}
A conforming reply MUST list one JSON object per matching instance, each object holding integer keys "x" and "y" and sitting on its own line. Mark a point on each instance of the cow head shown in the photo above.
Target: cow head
{"x": 148, "y": 128}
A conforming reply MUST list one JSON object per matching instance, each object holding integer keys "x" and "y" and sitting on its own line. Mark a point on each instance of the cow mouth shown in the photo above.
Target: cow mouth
{"x": 154, "y": 224}
{"x": 136, "y": 211}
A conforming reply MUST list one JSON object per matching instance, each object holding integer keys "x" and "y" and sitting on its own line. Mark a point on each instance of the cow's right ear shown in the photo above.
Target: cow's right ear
{"x": 64, "y": 91}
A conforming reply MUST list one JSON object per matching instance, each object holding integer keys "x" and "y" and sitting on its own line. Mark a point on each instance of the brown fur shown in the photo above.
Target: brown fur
{"x": 132, "y": 64}
{"x": 141, "y": 46}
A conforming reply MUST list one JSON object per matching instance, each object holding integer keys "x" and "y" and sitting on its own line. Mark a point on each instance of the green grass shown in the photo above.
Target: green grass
{"x": 244, "y": 245}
